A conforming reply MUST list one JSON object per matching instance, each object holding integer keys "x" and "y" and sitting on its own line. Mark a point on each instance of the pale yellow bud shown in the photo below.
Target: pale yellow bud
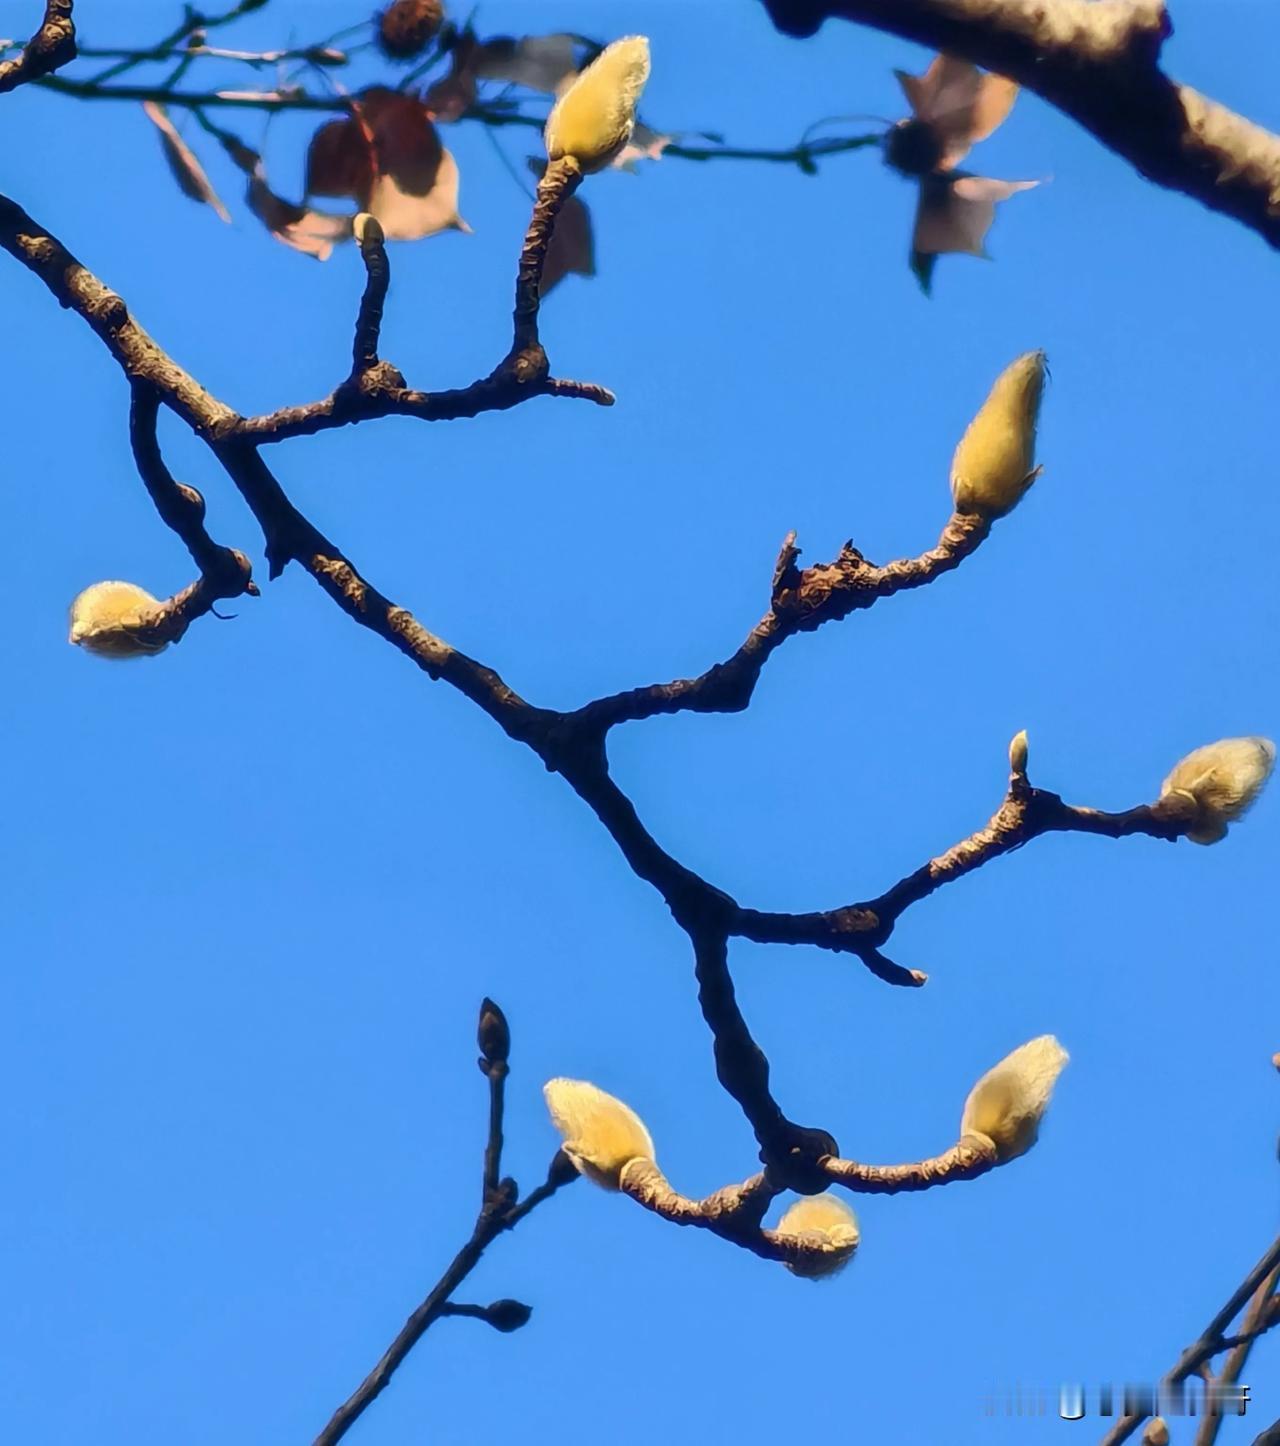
{"x": 828, "y": 1229}
{"x": 1219, "y": 782}
{"x": 594, "y": 118}
{"x": 995, "y": 461}
{"x": 117, "y": 620}
{"x": 1009, "y": 1101}
{"x": 1157, "y": 1432}
{"x": 601, "y": 1134}
{"x": 1018, "y": 752}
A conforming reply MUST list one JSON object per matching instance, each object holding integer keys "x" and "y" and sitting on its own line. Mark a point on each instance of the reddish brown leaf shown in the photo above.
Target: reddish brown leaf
{"x": 187, "y": 171}
{"x": 338, "y": 160}
{"x": 314, "y": 233}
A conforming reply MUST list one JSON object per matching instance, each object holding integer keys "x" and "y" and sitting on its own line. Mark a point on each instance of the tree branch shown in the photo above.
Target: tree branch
{"x": 1211, "y": 1341}
{"x": 802, "y": 601}
{"x": 53, "y": 44}
{"x": 1098, "y": 61}
{"x": 499, "y": 1211}
{"x": 968, "y": 1158}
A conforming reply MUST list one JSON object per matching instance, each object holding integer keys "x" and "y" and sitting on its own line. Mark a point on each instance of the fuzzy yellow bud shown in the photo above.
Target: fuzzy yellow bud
{"x": 117, "y": 620}
{"x": 601, "y": 1134}
{"x": 594, "y": 118}
{"x": 995, "y": 461}
{"x": 1157, "y": 1432}
{"x": 1009, "y": 1101}
{"x": 1219, "y": 782}
{"x": 1018, "y": 752}
{"x": 829, "y": 1231}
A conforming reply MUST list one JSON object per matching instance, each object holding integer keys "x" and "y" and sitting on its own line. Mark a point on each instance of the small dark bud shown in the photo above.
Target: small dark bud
{"x": 561, "y": 1170}
{"x": 508, "y": 1315}
{"x": 494, "y": 1035}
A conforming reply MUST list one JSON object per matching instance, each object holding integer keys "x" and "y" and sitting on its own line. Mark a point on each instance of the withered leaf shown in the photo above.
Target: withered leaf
{"x": 314, "y": 233}
{"x": 960, "y": 104}
{"x": 187, "y": 171}
{"x": 409, "y": 214}
{"x": 389, "y": 158}
{"x": 955, "y": 213}
{"x": 538, "y": 62}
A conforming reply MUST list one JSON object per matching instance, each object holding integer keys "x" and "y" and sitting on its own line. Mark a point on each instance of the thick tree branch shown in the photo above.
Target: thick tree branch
{"x": 54, "y": 44}
{"x": 1098, "y": 61}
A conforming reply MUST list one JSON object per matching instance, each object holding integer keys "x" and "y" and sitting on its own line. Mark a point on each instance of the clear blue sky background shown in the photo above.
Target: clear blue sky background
{"x": 257, "y": 887}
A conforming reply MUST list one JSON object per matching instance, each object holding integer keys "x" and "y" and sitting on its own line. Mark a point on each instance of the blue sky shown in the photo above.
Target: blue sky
{"x": 258, "y": 886}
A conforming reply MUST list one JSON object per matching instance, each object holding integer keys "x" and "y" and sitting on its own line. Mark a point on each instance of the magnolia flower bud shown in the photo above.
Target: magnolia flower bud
{"x": 117, "y": 620}
{"x": 1018, "y": 752}
{"x": 594, "y": 118}
{"x": 1157, "y": 1432}
{"x": 829, "y": 1230}
{"x": 1218, "y": 782}
{"x": 601, "y": 1134}
{"x": 1009, "y": 1101}
{"x": 995, "y": 461}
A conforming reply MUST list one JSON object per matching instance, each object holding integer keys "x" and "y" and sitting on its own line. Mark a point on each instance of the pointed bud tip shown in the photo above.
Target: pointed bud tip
{"x": 1018, "y": 752}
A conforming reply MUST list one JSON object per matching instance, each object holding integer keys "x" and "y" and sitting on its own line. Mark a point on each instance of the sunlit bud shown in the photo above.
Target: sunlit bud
{"x": 995, "y": 461}
{"x": 1018, "y": 752}
{"x": 594, "y": 118}
{"x": 1009, "y": 1101}
{"x": 1157, "y": 1433}
{"x": 601, "y": 1134}
{"x": 828, "y": 1229}
{"x": 405, "y": 27}
{"x": 1217, "y": 783}
{"x": 117, "y": 620}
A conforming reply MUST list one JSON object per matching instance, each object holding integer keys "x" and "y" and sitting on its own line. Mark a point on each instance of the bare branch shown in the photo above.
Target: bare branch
{"x": 1098, "y": 61}
{"x": 373, "y": 252}
{"x": 803, "y": 600}
{"x": 970, "y": 1157}
{"x": 499, "y": 1211}
{"x": 54, "y": 44}
{"x": 1211, "y": 1341}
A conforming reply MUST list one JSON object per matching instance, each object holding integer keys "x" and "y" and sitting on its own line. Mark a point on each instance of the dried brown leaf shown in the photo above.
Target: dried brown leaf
{"x": 538, "y": 62}
{"x": 407, "y": 214}
{"x": 954, "y": 214}
{"x": 314, "y": 233}
{"x": 187, "y": 170}
{"x": 960, "y": 104}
